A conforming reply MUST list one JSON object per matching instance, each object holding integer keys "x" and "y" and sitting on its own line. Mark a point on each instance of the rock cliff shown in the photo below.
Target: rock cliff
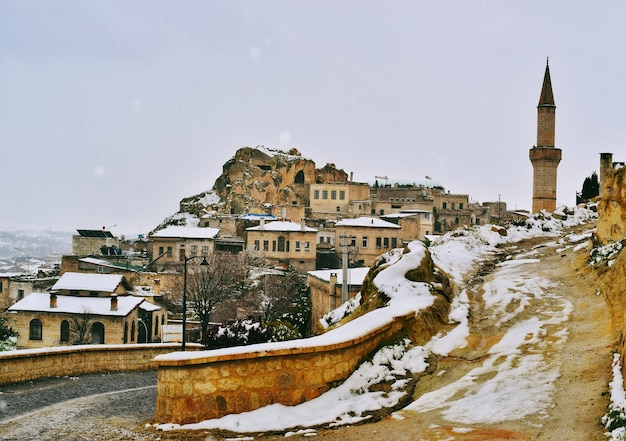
{"x": 612, "y": 208}
{"x": 254, "y": 180}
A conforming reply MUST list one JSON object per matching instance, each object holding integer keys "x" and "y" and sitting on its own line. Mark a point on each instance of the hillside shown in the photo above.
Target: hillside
{"x": 255, "y": 180}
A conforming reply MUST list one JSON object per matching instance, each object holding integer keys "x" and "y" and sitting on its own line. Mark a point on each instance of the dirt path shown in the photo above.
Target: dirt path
{"x": 578, "y": 399}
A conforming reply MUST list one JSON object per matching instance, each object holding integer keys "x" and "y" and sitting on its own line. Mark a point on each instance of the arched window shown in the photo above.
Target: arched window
{"x": 132, "y": 331}
{"x": 281, "y": 243}
{"x": 65, "y": 331}
{"x": 125, "y": 332}
{"x": 97, "y": 333}
{"x": 35, "y": 330}
{"x": 156, "y": 325}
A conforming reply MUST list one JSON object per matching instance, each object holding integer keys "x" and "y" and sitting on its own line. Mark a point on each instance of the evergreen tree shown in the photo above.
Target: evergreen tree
{"x": 591, "y": 188}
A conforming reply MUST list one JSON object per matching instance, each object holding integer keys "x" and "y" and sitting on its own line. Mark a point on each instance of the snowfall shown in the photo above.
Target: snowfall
{"x": 527, "y": 375}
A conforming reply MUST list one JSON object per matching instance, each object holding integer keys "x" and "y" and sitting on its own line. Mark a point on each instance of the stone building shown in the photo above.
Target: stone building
{"x": 285, "y": 243}
{"x": 366, "y": 238}
{"x": 326, "y": 287}
{"x": 544, "y": 156}
{"x": 333, "y": 200}
{"x": 100, "y": 301}
{"x": 89, "y": 242}
{"x": 172, "y": 245}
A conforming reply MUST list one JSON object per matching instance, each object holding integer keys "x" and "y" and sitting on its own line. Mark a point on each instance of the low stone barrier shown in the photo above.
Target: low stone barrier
{"x": 210, "y": 384}
{"x": 33, "y": 364}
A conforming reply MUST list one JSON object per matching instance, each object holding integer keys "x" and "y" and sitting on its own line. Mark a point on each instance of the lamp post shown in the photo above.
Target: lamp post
{"x": 203, "y": 263}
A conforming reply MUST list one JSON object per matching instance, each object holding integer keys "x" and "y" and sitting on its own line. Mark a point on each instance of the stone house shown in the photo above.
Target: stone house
{"x": 90, "y": 242}
{"x": 414, "y": 224}
{"x": 285, "y": 243}
{"x": 339, "y": 199}
{"x": 172, "y": 245}
{"x": 14, "y": 287}
{"x": 98, "y": 300}
{"x": 397, "y": 198}
{"x": 367, "y": 238}
{"x": 326, "y": 287}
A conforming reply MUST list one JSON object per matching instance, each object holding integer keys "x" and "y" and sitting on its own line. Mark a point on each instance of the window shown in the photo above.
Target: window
{"x": 65, "y": 331}
{"x": 342, "y": 195}
{"x": 394, "y": 242}
{"x": 273, "y": 245}
{"x": 353, "y": 242}
{"x": 194, "y": 250}
{"x": 266, "y": 245}
{"x": 452, "y": 205}
{"x": 97, "y": 333}
{"x": 156, "y": 326}
{"x": 101, "y": 269}
{"x": 316, "y": 194}
{"x": 324, "y": 194}
{"x": 307, "y": 246}
{"x": 386, "y": 242}
{"x": 297, "y": 245}
{"x": 126, "y": 332}
{"x": 338, "y": 209}
{"x": 205, "y": 250}
{"x": 257, "y": 245}
{"x": 382, "y": 212}
{"x": 169, "y": 251}
{"x": 460, "y": 205}
{"x": 444, "y": 205}
{"x": 333, "y": 194}
{"x": 132, "y": 331}
{"x": 0, "y": 286}
{"x": 364, "y": 242}
{"x": 379, "y": 242}
{"x": 161, "y": 251}
{"x": 20, "y": 294}
{"x": 35, "y": 330}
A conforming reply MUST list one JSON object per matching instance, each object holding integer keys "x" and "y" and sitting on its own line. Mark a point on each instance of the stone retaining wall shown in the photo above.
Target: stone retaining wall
{"x": 32, "y": 364}
{"x": 211, "y": 384}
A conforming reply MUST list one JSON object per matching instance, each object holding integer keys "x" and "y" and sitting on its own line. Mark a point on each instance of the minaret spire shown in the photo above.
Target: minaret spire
{"x": 544, "y": 156}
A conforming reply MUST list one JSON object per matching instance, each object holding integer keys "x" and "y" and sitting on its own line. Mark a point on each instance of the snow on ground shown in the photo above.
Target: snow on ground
{"x": 507, "y": 371}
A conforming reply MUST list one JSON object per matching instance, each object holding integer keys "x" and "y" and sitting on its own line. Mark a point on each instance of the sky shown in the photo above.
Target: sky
{"x": 111, "y": 112}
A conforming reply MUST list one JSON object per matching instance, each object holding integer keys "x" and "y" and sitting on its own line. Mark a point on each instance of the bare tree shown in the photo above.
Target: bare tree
{"x": 225, "y": 279}
{"x": 80, "y": 327}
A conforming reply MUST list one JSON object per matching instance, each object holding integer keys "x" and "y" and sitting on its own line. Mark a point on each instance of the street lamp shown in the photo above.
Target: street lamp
{"x": 203, "y": 263}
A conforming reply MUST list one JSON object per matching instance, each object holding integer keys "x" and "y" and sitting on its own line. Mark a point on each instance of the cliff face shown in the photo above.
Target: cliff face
{"x": 612, "y": 208}
{"x": 255, "y": 179}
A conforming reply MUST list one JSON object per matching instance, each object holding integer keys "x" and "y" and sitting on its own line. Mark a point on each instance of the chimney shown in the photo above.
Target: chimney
{"x": 157, "y": 286}
{"x": 262, "y": 224}
{"x": 332, "y": 291}
{"x": 351, "y": 176}
{"x": 284, "y": 213}
{"x": 302, "y": 225}
{"x": 53, "y": 300}
{"x": 114, "y": 302}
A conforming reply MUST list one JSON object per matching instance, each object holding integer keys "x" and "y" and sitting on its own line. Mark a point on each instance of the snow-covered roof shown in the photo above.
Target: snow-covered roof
{"x": 355, "y": 275}
{"x": 253, "y": 216}
{"x": 40, "y": 302}
{"x": 150, "y": 307}
{"x": 187, "y": 232}
{"x": 105, "y": 263}
{"x": 372, "y": 222}
{"x": 281, "y": 226}
{"x": 88, "y": 282}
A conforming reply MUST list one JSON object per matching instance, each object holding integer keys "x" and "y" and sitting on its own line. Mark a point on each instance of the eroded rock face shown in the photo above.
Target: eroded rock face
{"x": 611, "y": 225}
{"x": 256, "y": 178}
{"x": 433, "y": 318}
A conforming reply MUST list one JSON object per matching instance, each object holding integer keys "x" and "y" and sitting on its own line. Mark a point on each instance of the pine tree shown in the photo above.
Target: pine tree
{"x": 591, "y": 188}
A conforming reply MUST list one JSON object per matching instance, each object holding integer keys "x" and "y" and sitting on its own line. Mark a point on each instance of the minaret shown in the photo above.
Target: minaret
{"x": 544, "y": 156}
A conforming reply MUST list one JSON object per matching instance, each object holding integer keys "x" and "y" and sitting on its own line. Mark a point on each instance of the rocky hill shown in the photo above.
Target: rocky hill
{"x": 254, "y": 180}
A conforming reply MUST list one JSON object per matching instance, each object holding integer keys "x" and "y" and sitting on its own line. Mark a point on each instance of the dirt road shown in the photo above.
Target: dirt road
{"x": 578, "y": 399}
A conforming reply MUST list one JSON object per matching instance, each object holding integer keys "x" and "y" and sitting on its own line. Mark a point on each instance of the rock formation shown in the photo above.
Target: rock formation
{"x": 255, "y": 179}
{"x": 612, "y": 208}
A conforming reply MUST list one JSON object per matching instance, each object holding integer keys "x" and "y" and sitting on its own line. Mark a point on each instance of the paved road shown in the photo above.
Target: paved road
{"x": 73, "y": 408}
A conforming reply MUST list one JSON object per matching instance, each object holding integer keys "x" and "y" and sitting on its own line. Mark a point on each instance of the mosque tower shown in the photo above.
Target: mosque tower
{"x": 544, "y": 156}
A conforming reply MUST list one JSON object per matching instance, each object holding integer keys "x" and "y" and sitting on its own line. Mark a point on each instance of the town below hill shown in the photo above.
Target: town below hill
{"x": 34, "y": 243}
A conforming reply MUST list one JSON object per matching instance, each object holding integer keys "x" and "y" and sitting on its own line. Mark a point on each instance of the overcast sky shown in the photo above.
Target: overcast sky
{"x": 111, "y": 112}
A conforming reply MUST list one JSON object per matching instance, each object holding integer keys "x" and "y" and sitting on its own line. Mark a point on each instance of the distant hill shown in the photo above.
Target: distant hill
{"x": 35, "y": 243}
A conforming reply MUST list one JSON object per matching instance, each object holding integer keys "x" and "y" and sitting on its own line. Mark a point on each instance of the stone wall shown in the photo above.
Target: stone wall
{"x": 212, "y": 384}
{"x": 32, "y": 364}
